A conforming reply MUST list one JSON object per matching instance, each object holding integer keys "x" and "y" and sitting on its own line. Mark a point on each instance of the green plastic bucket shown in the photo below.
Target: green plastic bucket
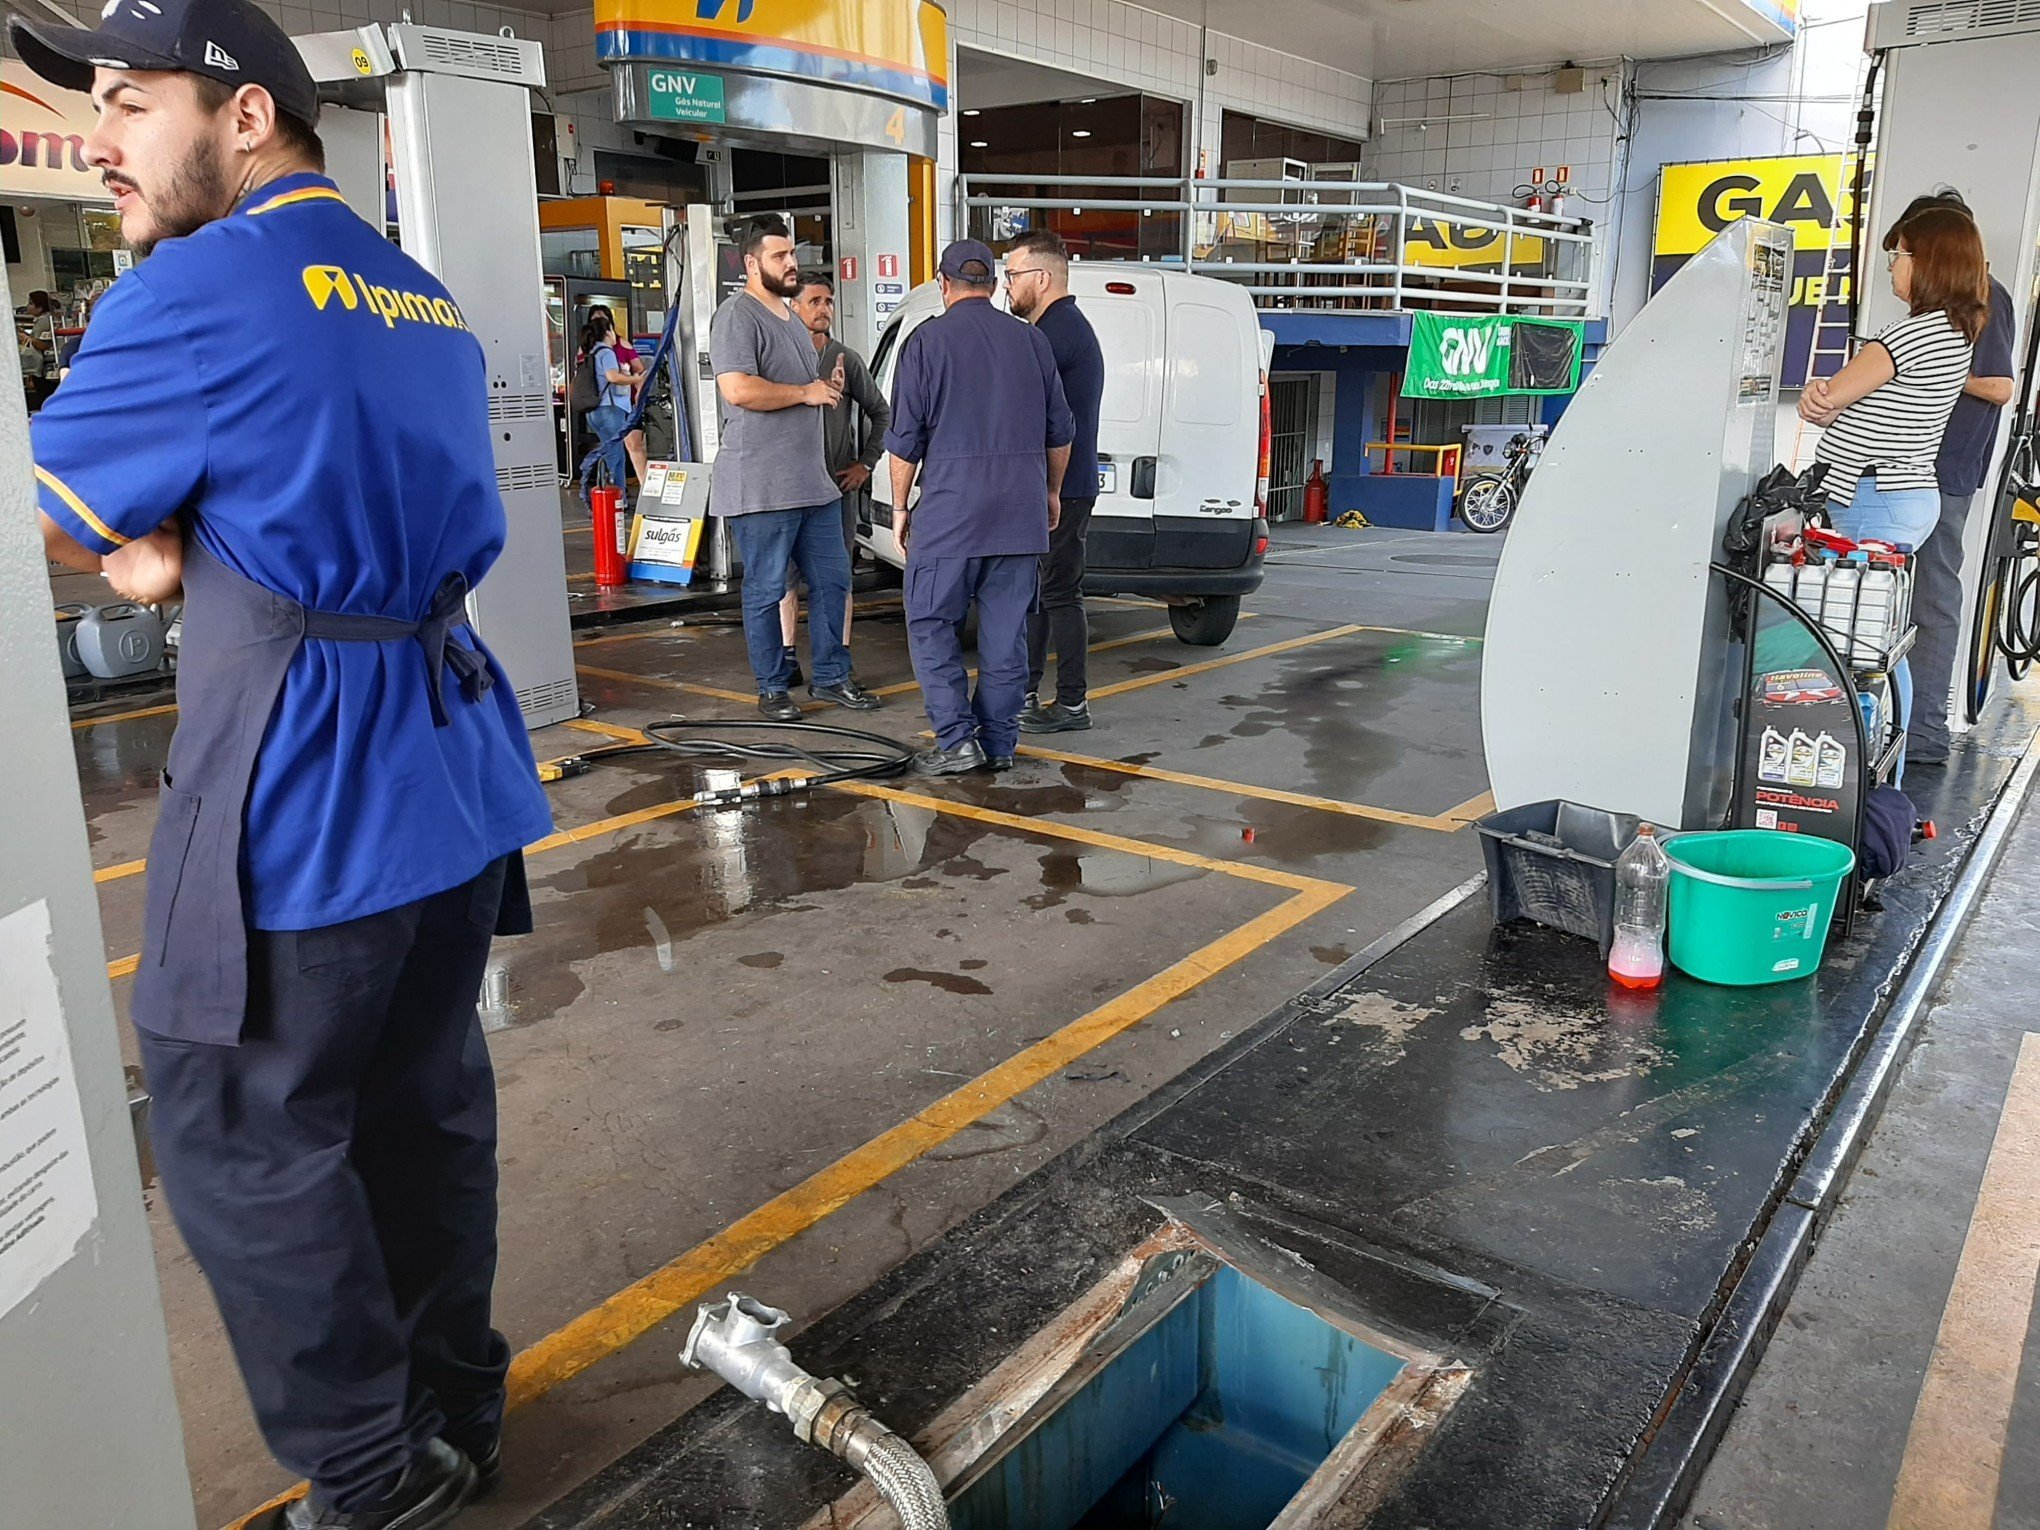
{"x": 1752, "y": 905}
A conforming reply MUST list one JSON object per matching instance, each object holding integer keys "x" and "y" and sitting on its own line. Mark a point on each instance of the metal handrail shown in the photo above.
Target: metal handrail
{"x": 1547, "y": 243}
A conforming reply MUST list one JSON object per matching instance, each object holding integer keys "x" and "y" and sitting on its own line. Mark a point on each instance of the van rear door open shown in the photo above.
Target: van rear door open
{"x": 1126, "y": 310}
{"x": 1210, "y": 432}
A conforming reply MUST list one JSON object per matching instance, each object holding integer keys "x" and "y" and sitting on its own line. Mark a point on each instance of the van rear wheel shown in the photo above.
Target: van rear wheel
{"x": 1206, "y": 623}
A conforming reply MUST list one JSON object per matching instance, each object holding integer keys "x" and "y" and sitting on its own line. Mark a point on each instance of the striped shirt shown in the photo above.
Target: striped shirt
{"x": 1895, "y": 430}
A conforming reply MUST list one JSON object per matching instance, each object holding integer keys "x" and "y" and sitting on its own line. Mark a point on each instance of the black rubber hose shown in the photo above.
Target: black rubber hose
{"x": 711, "y": 739}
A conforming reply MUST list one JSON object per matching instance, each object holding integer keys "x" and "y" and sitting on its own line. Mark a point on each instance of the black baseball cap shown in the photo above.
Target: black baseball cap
{"x": 225, "y": 40}
{"x": 966, "y": 260}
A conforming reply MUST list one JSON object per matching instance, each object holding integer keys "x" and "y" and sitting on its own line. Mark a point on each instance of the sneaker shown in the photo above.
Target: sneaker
{"x": 795, "y": 675}
{"x": 846, "y": 693}
{"x": 964, "y": 758}
{"x": 777, "y": 706}
{"x": 1055, "y": 718}
{"x": 433, "y": 1490}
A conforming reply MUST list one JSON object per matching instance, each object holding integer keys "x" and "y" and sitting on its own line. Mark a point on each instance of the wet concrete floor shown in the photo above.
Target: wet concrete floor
{"x": 718, "y": 1008}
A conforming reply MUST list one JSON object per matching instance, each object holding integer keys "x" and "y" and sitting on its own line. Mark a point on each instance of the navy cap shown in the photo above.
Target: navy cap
{"x": 225, "y": 40}
{"x": 967, "y": 260}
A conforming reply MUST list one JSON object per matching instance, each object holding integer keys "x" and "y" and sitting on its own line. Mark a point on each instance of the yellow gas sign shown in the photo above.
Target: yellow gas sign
{"x": 1808, "y": 193}
{"x": 890, "y": 47}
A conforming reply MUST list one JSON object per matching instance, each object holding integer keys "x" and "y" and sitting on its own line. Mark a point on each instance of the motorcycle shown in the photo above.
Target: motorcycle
{"x": 1489, "y": 501}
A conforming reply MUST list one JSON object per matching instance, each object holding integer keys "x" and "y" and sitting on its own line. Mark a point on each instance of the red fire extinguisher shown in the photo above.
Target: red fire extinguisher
{"x": 1536, "y": 201}
{"x": 611, "y": 531}
{"x": 1317, "y": 496}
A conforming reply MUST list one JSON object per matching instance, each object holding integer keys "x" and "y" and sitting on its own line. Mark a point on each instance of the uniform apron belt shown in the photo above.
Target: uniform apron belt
{"x": 434, "y": 632}
{"x": 239, "y": 638}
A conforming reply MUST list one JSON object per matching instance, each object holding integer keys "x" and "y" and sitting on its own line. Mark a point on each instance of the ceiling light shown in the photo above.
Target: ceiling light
{"x": 1088, "y": 101}
{"x": 971, "y": 111}
{"x": 979, "y": 143}
{"x": 1081, "y": 133}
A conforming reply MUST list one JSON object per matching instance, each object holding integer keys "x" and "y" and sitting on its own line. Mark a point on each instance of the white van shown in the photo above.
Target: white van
{"x": 1182, "y": 440}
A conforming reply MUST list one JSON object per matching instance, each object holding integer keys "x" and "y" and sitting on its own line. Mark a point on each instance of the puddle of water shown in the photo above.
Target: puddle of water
{"x": 948, "y": 982}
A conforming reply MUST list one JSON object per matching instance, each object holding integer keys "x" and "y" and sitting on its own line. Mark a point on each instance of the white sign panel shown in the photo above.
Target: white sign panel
{"x": 42, "y": 138}
{"x": 47, "y": 1203}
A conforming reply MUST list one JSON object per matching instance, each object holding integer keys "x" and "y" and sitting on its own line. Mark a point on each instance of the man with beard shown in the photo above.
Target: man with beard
{"x": 284, "y": 415}
{"x": 772, "y": 479}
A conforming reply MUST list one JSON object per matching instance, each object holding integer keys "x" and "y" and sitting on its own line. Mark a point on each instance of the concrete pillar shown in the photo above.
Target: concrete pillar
{"x": 88, "y": 1431}
{"x": 873, "y": 241}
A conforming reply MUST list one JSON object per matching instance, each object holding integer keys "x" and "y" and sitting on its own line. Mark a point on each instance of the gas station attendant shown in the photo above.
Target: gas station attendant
{"x": 285, "y": 416}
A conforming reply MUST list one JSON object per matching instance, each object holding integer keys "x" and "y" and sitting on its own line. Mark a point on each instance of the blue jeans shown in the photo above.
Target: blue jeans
{"x": 1907, "y": 517}
{"x": 607, "y": 422}
{"x": 812, "y": 539}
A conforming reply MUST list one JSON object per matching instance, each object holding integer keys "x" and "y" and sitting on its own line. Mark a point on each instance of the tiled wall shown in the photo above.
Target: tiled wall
{"x": 1475, "y": 136}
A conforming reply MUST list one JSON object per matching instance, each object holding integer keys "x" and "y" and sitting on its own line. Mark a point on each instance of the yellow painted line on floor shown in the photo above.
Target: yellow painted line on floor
{"x": 625, "y": 637}
{"x": 1469, "y": 810}
{"x": 1954, "y": 1453}
{"x": 645, "y": 1304}
{"x": 1267, "y": 651}
{"x": 607, "y": 730}
{"x": 117, "y": 717}
{"x": 689, "y": 686}
{"x": 118, "y": 873}
{"x": 1444, "y": 823}
{"x": 125, "y": 967}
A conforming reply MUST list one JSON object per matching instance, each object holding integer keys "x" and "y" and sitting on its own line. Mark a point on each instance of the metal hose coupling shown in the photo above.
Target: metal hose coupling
{"x": 734, "y": 1338}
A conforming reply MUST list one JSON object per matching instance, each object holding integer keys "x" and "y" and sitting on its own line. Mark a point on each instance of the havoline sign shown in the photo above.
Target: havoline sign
{"x": 1486, "y": 355}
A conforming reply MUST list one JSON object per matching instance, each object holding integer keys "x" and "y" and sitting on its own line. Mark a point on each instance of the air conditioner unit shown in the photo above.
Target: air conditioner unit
{"x": 1909, "y": 23}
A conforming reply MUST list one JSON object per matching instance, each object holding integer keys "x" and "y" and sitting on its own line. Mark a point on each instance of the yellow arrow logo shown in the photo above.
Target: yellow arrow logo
{"x": 324, "y": 283}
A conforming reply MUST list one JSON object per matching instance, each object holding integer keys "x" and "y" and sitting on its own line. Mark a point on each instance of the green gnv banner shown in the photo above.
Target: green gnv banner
{"x": 1486, "y": 355}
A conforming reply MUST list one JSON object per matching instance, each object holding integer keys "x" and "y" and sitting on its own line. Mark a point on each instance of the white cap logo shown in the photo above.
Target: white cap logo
{"x": 220, "y": 58}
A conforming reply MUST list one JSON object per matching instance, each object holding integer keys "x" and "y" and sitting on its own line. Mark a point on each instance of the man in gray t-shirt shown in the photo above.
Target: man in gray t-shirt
{"x": 771, "y": 481}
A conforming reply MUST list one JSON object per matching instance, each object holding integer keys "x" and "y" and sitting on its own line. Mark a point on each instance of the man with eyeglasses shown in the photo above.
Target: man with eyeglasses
{"x": 1038, "y": 290}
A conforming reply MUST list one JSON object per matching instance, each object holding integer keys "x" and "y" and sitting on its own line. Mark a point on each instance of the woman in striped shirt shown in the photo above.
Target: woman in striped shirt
{"x": 1884, "y": 413}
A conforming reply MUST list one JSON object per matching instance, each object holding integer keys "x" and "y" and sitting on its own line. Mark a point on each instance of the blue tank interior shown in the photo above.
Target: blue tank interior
{"x": 1211, "y": 1419}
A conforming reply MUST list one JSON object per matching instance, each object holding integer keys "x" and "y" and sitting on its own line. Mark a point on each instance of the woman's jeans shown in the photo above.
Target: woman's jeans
{"x": 606, "y": 422}
{"x": 1906, "y": 517}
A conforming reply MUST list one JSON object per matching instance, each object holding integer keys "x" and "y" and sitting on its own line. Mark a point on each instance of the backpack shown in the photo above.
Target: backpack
{"x": 585, "y": 392}
{"x": 1888, "y": 819}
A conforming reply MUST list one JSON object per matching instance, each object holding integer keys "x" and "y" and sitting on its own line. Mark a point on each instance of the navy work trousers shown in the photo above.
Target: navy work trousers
{"x": 771, "y": 542}
{"x": 939, "y": 596}
{"x": 335, "y": 1177}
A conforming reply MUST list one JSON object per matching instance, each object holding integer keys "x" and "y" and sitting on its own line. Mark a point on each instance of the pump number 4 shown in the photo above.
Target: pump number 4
{"x": 896, "y": 125}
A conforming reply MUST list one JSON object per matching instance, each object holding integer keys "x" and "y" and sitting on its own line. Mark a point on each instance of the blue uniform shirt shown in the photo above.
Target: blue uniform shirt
{"x": 977, "y": 403}
{"x": 310, "y": 401}
{"x": 1972, "y": 429}
{"x": 1080, "y": 362}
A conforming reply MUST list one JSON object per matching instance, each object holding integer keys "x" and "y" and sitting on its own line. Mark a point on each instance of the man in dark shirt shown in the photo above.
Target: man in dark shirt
{"x": 1964, "y": 460}
{"x": 979, "y": 417}
{"x": 1038, "y": 288}
{"x": 853, "y": 429}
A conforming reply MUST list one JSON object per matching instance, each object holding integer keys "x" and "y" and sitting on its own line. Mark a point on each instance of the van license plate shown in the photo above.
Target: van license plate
{"x": 1108, "y": 478}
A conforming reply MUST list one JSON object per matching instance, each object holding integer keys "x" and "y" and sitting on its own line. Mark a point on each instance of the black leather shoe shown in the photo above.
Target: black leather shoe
{"x": 777, "y": 706}
{"x": 846, "y": 693}
{"x": 488, "y": 1465}
{"x": 962, "y": 760}
{"x": 434, "y": 1488}
{"x": 999, "y": 762}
